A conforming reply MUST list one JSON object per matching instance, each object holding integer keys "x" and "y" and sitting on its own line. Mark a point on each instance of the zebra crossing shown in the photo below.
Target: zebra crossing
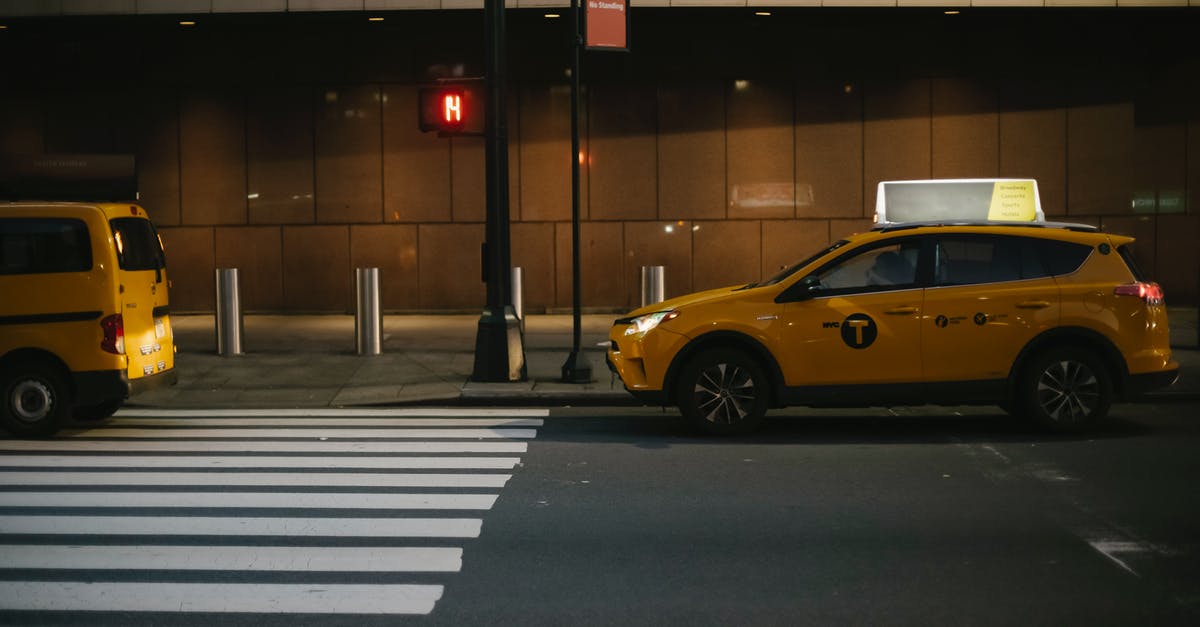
{"x": 252, "y": 511}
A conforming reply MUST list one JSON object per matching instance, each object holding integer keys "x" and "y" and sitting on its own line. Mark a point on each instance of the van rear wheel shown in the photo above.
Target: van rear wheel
{"x": 36, "y": 400}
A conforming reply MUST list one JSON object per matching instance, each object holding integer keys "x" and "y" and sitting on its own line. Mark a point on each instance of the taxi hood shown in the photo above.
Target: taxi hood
{"x": 687, "y": 299}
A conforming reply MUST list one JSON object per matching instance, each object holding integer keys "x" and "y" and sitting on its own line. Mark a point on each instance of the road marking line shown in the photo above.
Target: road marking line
{"x": 266, "y": 479}
{"x": 205, "y": 446}
{"x": 236, "y": 558}
{"x": 340, "y": 434}
{"x": 1109, "y": 549}
{"x": 177, "y": 461}
{"x": 253, "y": 500}
{"x": 330, "y": 412}
{"x": 230, "y": 526}
{"x": 210, "y": 597}
{"x": 323, "y": 422}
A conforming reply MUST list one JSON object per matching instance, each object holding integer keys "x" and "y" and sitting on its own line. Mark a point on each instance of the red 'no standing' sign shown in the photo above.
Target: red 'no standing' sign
{"x": 607, "y": 24}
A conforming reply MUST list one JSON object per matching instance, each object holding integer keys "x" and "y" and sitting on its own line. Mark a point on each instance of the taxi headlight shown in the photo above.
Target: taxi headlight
{"x": 643, "y": 324}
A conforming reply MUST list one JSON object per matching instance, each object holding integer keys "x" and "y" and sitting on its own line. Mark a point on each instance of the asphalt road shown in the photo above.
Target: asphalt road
{"x": 909, "y": 517}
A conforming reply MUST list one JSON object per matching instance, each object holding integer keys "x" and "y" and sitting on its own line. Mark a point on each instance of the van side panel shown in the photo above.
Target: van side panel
{"x": 60, "y": 312}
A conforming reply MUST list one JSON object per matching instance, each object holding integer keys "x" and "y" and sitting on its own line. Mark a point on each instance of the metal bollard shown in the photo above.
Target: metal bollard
{"x": 518, "y": 294}
{"x": 368, "y": 318}
{"x": 229, "y": 313}
{"x": 653, "y": 285}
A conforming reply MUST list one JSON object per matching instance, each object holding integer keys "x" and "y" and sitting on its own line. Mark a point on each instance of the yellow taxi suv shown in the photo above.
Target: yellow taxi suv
{"x": 84, "y": 312}
{"x": 1053, "y": 322}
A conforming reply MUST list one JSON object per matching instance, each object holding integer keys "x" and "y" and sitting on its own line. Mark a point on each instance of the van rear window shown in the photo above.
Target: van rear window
{"x": 138, "y": 247}
{"x": 44, "y": 246}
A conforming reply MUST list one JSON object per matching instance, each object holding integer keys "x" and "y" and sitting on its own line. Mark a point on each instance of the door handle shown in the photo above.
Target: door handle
{"x": 900, "y": 311}
{"x": 1033, "y": 304}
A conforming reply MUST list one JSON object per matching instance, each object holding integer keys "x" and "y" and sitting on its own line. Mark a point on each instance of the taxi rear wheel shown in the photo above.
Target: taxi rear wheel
{"x": 36, "y": 400}
{"x": 722, "y": 391}
{"x": 1065, "y": 389}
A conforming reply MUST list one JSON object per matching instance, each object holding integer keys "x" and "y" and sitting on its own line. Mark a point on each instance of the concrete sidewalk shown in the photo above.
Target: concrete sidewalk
{"x": 309, "y": 361}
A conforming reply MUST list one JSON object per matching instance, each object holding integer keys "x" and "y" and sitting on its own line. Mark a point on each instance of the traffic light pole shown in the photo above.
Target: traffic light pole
{"x": 499, "y": 345}
{"x": 577, "y": 369}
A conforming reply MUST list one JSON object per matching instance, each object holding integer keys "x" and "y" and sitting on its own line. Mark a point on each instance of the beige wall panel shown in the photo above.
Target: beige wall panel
{"x": 157, "y": 137}
{"x": 393, "y": 249}
{"x": 1100, "y": 158}
{"x": 896, "y": 135}
{"x": 624, "y": 152}
{"x": 761, "y": 172}
{"x": 691, "y": 151}
{"x": 469, "y": 176}
{"x": 726, "y": 253}
{"x": 965, "y": 129}
{"x": 1033, "y": 140}
{"x": 449, "y": 265}
{"x": 839, "y": 229}
{"x": 601, "y": 246}
{"x": 316, "y": 269}
{"x": 660, "y": 243}
{"x": 1178, "y": 257}
{"x": 786, "y": 242}
{"x": 212, "y": 157}
{"x": 545, "y": 147}
{"x": 21, "y": 122}
{"x": 533, "y": 250}
{"x": 829, "y": 151}
{"x": 257, "y": 253}
{"x": 1160, "y": 139}
{"x": 189, "y": 252}
{"x": 279, "y": 138}
{"x": 349, "y": 154}
{"x": 1143, "y": 228}
{"x": 416, "y": 165}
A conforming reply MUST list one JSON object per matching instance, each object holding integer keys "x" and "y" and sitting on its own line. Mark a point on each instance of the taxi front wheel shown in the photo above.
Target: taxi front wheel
{"x": 36, "y": 400}
{"x": 722, "y": 391}
{"x": 1065, "y": 389}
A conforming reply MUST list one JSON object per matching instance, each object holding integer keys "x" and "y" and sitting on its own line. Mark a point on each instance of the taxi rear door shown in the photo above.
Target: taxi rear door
{"x": 144, "y": 297}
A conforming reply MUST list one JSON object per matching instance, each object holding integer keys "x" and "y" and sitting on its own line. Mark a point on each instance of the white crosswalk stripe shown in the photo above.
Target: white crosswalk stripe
{"x": 307, "y": 495}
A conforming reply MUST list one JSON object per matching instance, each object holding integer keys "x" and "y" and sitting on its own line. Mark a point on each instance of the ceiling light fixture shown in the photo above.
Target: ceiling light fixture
{"x": 374, "y": 19}
{"x": 952, "y": 12}
{"x": 763, "y": 13}
{"x": 552, "y": 16}
{"x": 186, "y": 23}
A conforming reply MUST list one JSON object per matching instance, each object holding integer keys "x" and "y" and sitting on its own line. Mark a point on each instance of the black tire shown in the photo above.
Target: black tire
{"x": 97, "y": 413}
{"x": 723, "y": 391}
{"x": 34, "y": 400}
{"x": 1065, "y": 390}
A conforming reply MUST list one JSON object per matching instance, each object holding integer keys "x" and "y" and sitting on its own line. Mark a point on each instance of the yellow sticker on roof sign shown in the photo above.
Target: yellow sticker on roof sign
{"x": 952, "y": 201}
{"x": 1013, "y": 201}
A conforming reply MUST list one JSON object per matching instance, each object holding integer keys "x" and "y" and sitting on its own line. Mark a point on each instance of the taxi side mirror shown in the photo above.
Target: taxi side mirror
{"x": 804, "y": 289}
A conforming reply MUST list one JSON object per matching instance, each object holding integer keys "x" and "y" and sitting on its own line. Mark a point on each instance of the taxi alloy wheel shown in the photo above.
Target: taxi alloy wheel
{"x": 1067, "y": 390}
{"x": 723, "y": 392}
{"x": 36, "y": 401}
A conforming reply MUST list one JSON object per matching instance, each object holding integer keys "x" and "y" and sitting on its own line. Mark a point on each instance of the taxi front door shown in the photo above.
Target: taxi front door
{"x": 857, "y": 322}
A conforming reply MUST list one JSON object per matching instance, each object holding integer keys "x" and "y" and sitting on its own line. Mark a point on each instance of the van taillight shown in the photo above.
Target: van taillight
{"x": 114, "y": 334}
{"x": 1149, "y": 292}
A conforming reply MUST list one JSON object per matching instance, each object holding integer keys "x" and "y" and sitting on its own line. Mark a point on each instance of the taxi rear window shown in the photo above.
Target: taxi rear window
{"x": 44, "y": 246}
{"x": 138, "y": 247}
{"x": 1062, "y": 257}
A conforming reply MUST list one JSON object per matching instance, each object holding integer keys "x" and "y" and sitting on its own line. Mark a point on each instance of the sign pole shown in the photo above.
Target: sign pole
{"x": 577, "y": 369}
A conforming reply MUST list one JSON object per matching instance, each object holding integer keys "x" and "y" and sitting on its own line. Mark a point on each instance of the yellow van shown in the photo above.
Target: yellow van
{"x": 84, "y": 312}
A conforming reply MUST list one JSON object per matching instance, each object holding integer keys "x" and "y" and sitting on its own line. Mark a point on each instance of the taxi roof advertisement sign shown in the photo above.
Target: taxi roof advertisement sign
{"x": 958, "y": 200}
{"x": 607, "y": 25}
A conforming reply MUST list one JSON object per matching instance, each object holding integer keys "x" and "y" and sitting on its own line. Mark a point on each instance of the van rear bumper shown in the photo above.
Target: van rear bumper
{"x": 93, "y": 387}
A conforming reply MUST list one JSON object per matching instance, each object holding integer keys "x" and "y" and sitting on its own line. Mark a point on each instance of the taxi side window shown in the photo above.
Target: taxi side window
{"x": 972, "y": 260}
{"x": 893, "y": 266}
{"x": 44, "y": 246}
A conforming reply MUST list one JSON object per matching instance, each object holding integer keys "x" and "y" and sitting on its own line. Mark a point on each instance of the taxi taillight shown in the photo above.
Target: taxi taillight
{"x": 1152, "y": 293}
{"x": 114, "y": 334}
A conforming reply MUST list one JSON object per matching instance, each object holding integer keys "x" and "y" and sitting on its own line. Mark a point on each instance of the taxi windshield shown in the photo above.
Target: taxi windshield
{"x": 790, "y": 270}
